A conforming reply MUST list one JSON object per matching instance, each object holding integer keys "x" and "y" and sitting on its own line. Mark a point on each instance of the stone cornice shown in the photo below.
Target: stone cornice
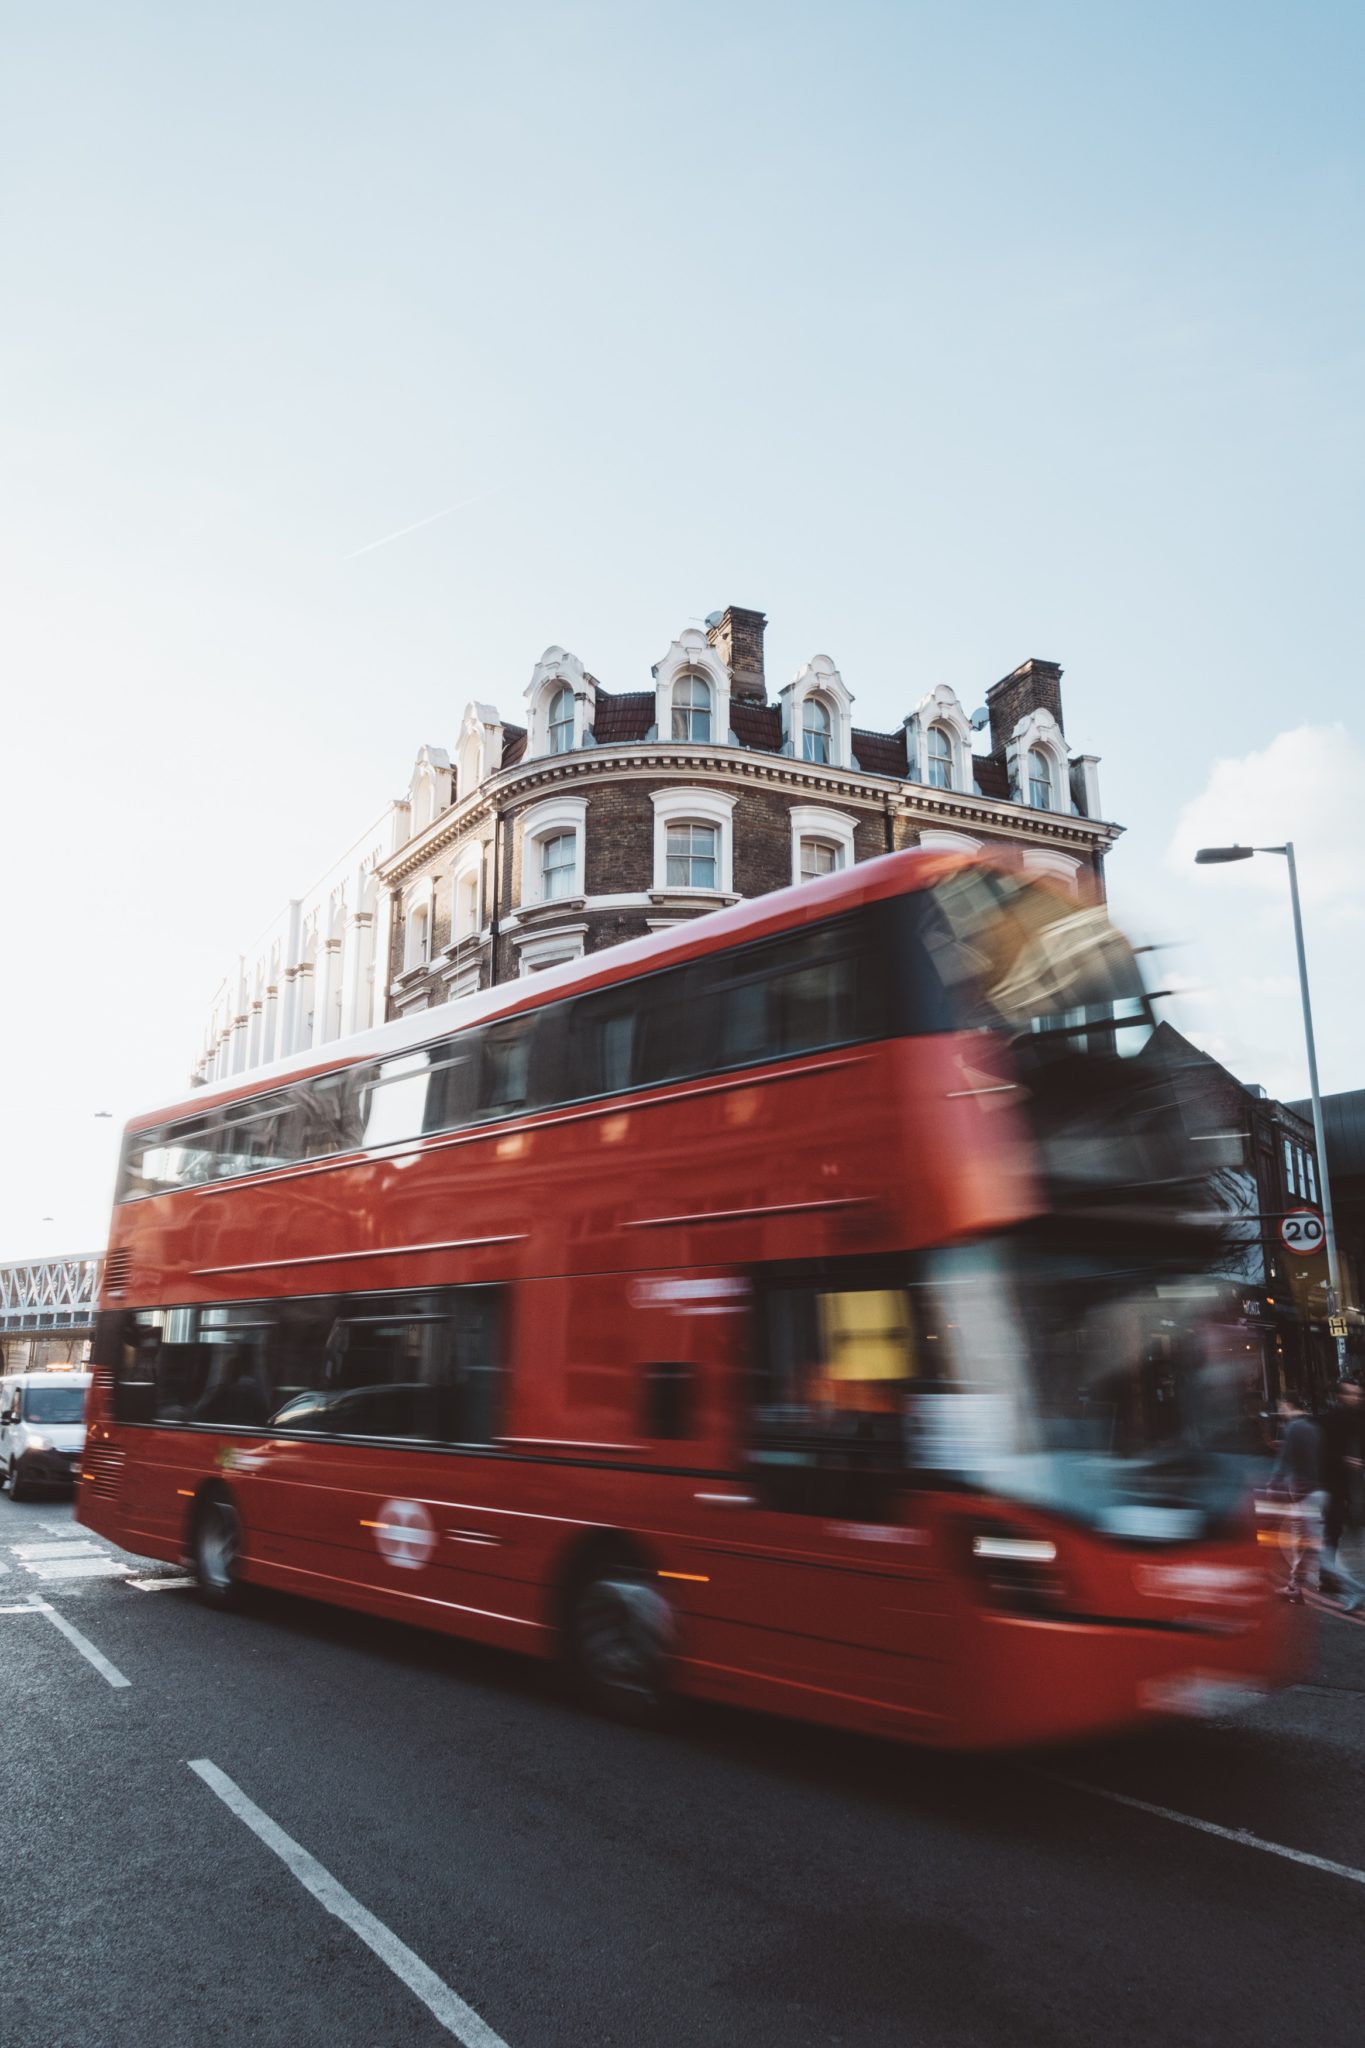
{"x": 916, "y": 802}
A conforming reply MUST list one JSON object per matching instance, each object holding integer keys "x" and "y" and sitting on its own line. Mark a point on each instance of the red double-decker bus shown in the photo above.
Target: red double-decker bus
{"x": 804, "y": 1308}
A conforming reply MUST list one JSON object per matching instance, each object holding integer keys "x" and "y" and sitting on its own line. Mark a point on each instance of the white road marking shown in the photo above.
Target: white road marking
{"x": 70, "y": 1546}
{"x": 444, "y": 2004}
{"x": 1242, "y": 1836}
{"x": 27, "y": 1607}
{"x": 159, "y": 1585}
{"x": 82, "y": 1643}
{"x": 76, "y": 1568}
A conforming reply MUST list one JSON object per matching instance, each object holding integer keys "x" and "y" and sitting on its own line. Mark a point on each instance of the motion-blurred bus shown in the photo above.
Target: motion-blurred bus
{"x": 806, "y": 1308}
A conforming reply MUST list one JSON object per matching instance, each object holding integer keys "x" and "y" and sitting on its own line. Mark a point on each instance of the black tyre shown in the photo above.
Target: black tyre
{"x": 621, "y": 1638}
{"x": 17, "y": 1488}
{"x": 217, "y": 1549}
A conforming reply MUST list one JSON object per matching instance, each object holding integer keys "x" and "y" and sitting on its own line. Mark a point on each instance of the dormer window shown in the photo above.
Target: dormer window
{"x": 815, "y": 731}
{"x": 561, "y": 722}
{"x": 1039, "y": 780}
{"x": 692, "y": 709}
{"x": 940, "y": 758}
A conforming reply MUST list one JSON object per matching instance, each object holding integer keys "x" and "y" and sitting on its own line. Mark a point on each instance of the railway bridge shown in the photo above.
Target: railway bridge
{"x": 47, "y": 1309}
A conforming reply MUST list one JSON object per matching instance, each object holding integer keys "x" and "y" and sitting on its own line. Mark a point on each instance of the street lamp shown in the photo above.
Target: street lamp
{"x": 1211, "y": 856}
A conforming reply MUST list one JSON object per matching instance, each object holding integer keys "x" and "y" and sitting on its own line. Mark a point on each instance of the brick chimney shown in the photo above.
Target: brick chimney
{"x": 1034, "y": 685}
{"x": 737, "y": 638}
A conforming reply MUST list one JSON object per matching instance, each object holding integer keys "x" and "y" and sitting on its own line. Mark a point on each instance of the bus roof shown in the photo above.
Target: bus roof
{"x": 890, "y": 874}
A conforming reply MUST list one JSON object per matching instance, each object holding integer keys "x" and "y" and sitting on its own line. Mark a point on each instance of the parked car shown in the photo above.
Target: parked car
{"x": 42, "y": 1429}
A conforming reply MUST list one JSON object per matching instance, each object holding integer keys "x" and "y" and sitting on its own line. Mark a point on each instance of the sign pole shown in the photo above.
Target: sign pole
{"x": 1334, "y": 1293}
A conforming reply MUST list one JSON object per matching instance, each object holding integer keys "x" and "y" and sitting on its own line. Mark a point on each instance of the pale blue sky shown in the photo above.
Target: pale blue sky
{"x": 945, "y": 334}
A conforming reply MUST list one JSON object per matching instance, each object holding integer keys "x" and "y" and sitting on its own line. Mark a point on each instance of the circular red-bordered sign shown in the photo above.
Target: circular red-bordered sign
{"x": 1302, "y": 1232}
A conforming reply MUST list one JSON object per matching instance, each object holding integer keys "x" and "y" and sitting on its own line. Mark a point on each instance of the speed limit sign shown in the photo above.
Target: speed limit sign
{"x": 1301, "y": 1231}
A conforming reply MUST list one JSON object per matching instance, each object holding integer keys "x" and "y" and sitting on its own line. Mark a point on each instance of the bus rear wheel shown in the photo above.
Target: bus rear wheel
{"x": 216, "y": 1546}
{"x": 621, "y": 1637}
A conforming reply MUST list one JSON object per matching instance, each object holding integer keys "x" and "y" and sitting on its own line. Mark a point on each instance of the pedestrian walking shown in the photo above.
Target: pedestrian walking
{"x": 1298, "y": 1474}
{"x": 1343, "y": 1456}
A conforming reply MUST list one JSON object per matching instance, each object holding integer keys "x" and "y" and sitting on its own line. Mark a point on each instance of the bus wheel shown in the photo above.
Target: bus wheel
{"x": 216, "y": 1546}
{"x": 620, "y": 1639}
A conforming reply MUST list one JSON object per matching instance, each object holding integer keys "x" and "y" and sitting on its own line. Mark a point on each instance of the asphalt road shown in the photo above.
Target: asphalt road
{"x": 733, "y": 1881}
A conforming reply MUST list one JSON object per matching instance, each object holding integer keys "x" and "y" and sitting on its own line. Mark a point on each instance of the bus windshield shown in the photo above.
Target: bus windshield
{"x": 1086, "y": 1378}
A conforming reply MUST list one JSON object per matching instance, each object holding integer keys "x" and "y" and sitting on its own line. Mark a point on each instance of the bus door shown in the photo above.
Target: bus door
{"x": 821, "y": 1577}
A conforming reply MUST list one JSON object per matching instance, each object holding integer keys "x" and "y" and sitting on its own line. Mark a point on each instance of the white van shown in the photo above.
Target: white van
{"x": 42, "y": 1429}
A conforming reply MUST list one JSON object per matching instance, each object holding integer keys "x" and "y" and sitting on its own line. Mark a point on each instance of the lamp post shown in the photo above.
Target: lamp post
{"x": 1209, "y": 856}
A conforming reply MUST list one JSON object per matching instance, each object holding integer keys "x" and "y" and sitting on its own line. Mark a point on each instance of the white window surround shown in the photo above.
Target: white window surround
{"x": 541, "y": 949}
{"x": 694, "y": 806}
{"x": 819, "y": 678}
{"x": 478, "y": 751}
{"x": 692, "y": 654}
{"x": 943, "y": 839}
{"x": 465, "y": 983}
{"x": 813, "y": 821}
{"x": 558, "y": 670}
{"x": 466, "y": 893}
{"x": 417, "y": 924}
{"x": 942, "y": 707}
{"x": 430, "y": 788}
{"x": 545, "y": 821}
{"x": 1041, "y": 730}
{"x": 1047, "y": 860}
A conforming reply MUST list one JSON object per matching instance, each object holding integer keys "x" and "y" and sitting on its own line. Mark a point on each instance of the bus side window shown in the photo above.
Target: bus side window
{"x": 476, "y": 1338}
{"x": 675, "y": 1027}
{"x": 331, "y": 1112}
{"x": 598, "y": 1044}
{"x": 832, "y": 1399}
{"x": 670, "y": 1402}
{"x": 256, "y": 1134}
{"x": 136, "y": 1358}
{"x": 453, "y": 1092}
{"x": 396, "y": 1099}
{"x": 505, "y": 1083}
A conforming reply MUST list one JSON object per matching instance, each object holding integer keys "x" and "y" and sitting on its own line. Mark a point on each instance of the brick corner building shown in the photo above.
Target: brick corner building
{"x": 603, "y": 815}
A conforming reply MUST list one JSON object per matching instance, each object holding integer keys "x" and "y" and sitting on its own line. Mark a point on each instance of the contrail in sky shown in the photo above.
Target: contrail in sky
{"x": 417, "y": 524}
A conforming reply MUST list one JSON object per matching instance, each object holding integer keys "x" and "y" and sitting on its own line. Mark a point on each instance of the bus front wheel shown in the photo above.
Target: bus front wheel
{"x": 216, "y": 1548}
{"x": 621, "y": 1638}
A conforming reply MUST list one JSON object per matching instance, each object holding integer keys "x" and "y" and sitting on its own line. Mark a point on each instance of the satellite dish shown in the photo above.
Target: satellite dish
{"x": 714, "y": 618}
{"x": 980, "y": 719}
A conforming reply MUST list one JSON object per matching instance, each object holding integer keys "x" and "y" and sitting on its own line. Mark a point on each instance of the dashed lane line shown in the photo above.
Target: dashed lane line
{"x": 445, "y": 2005}
{"x": 107, "y": 1671}
{"x": 1243, "y": 1837}
{"x": 176, "y": 1585}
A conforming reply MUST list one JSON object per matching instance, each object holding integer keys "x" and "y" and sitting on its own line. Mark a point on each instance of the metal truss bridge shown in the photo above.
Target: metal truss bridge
{"x": 49, "y": 1294}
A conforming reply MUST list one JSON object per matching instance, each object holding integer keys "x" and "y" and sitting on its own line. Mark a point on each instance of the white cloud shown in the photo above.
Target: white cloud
{"x": 1233, "y": 923}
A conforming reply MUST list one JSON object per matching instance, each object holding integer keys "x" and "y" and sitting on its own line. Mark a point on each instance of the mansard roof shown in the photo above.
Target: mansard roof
{"x": 622, "y": 715}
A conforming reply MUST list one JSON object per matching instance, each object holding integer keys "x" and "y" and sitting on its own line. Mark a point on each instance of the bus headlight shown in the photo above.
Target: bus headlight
{"x": 1018, "y": 1571}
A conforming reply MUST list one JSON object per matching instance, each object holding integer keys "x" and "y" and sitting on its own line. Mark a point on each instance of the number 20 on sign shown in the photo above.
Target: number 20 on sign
{"x": 1301, "y": 1231}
